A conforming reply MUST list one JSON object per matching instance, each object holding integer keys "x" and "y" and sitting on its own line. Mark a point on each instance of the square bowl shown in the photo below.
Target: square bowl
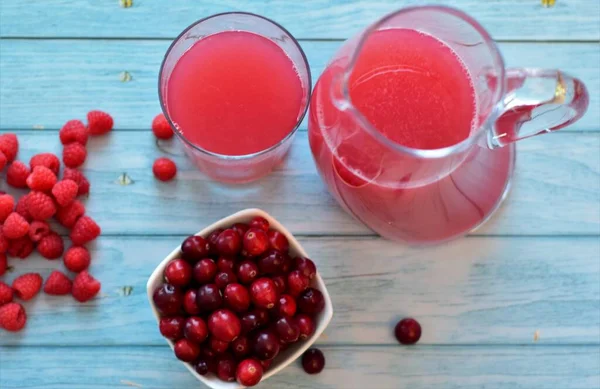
{"x": 293, "y": 352}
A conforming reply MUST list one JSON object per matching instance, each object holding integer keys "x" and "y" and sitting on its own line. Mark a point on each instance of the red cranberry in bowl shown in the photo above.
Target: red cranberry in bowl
{"x": 288, "y": 262}
{"x": 224, "y": 325}
{"x": 286, "y": 306}
{"x": 186, "y": 350}
{"x": 172, "y": 327}
{"x": 202, "y": 366}
{"x": 194, "y": 248}
{"x": 195, "y": 329}
{"x": 311, "y": 301}
{"x": 167, "y": 299}
{"x": 210, "y": 356}
{"x": 250, "y": 322}
{"x": 266, "y": 363}
{"x": 408, "y": 331}
{"x": 306, "y": 267}
{"x": 209, "y": 297}
{"x": 240, "y": 228}
{"x": 266, "y": 345}
{"x": 256, "y": 242}
{"x": 278, "y": 241}
{"x": 260, "y": 223}
{"x": 224, "y": 278}
{"x": 190, "y": 304}
{"x": 229, "y": 243}
{"x": 226, "y": 367}
{"x": 225, "y": 264}
{"x": 212, "y": 239}
{"x": 297, "y": 283}
{"x": 264, "y": 293}
{"x": 247, "y": 271}
{"x": 240, "y": 347}
{"x": 271, "y": 263}
{"x": 262, "y": 316}
{"x": 178, "y": 272}
{"x": 287, "y": 330}
{"x": 313, "y": 361}
{"x": 205, "y": 271}
{"x": 237, "y": 297}
{"x": 306, "y": 325}
{"x": 280, "y": 283}
{"x": 249, "y": 372}
{"x": 218, "y": 346}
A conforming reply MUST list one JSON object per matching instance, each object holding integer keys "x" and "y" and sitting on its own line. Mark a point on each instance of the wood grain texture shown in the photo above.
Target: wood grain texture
{"x": 346, "y": 367}
{"x": 471, "y": 292}
{"x": 339, "y": 19}
{"x": 556, "y": 189}
{"x": 45, "y": 83}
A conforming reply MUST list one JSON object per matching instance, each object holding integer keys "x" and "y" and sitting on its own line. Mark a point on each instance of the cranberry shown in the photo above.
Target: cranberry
{"x": 178, "y": 272}
{"x": 186, "y": 350}
{"x": 226, "y": 367}
{"x": 313, "y": 361}
{"x": 224, "y": 278}
{"x": 311, "y": 301}
{"x": 212, "y": 239}
{"x": 262, "y": 316}
{"x": 209, "y": 297}
{"x": 287, "y": 263}
{"x": 408, "y": 331}
{"x": 306, "y": 325}
{"x": 202, "y": 366}
{"x": 297, "y": 283}
{"x": 249, "y": 372}
{"x": 218, "y": 346}
{"x": 287, "y": 330}
{"x": 237, "y": 297}
{"x": 225, "y": 264}
{"x": 306, "y": 267}
{"x": 205, "y": 270}
{"x": 240, "y": 228}
{"x": 194, "y": 248}
{"x": 195, "y": 329}
{"x": 224, "y": 325}
{"x": 210, "y": 356}
{"x": 280, "y": 283}
{"x": 249, "y": 322}
{"x": 278, "y": 241}
{"x": 256, "y": 242}
{"x": 247, "y": 272}
{"x": 260, "y": 223}
{"x": 266, "y": 363}
{"x": 266, "y": 345}
{"x": 172, "y": 327}
{"x": 190, "y": 303}
{"x": 240, "y": 347}
{"x": 167, "y": 299}
{"x": 286, "y": 306}
{"x": 264, "y": 293}
{"x": 271, "y": 263}
{"x": 229, "y": 243}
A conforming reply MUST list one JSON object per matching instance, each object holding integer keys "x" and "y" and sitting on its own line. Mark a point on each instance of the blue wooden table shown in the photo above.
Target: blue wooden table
{"x": 515, "y": 305}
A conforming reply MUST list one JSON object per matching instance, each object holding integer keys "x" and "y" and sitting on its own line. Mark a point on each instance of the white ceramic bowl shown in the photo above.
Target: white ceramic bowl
{"x": 287, "y": 356}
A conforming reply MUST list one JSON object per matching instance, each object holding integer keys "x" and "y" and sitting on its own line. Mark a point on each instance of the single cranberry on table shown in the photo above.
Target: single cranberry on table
{"x": 172, "y": 327}
{"x": 306, "y": 325}
{"x": 313, "y": 361}
{"x": 240, "y": 347}
{"x": 280, "y": 282}
{"x": 224, "y": 278}
{"x": 408, "y": 331}
{"x": 264, "y": 293}
{"x": 240, "y": 228}
{"x": 297, "y": 283}
{"x": 168, "y": 299}
{"x": 178, "y": 272}
{"x": 271, "y": 263}
{"x": 278, "y": 241}
{"x": 259, "y": 222}
{"x": 287, "y": 329}
{"x": 255, "y": 242}
{"x": 226, "y": 367}
{"x": 237, "y": 297}
{"x": 190, "y": 303}
{"x": 194, "y": 248}
{"x": 218, "y": 346}
{"x": 224, "y": 325}
{"x": 225, "y": 264}
{"x": 195, "y": 329}
{"x": 186, "y": 350}
{"x": 247, "y": 271}
{"x": 209, "y": 297}
{"x": 249, "y": 372}
{"x": 286, "y": 306}
{"x": 229, "y": 242}
{"x": 205, "y": 270}
{"x": 305, "y": 266}
{"x": 265, "y": 345}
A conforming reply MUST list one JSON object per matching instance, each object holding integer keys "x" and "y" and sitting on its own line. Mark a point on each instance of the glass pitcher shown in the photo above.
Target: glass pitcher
{"x": 430, "y": 195}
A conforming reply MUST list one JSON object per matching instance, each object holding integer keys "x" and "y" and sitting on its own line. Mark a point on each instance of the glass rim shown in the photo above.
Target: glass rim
{"x": 243, "y": 156}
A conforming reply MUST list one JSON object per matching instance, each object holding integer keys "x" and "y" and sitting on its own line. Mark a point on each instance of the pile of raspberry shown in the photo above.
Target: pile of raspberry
{"x": 25, "y": 222}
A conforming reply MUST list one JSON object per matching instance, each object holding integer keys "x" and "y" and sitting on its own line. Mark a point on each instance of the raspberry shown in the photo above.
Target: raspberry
{"x": 84, "y": 230}
{"x": 77, "y": 258}
{"x": 51, "y": 246}
{"x": 26, "y": 286}
{"x": 3, "y": 263}
{"x": 73, "y": 131}
{"x": 22, "y": 209}
{"x": 85, "y": 287}
{"x": 164, "y": 169}
{"x": 15, "y": 226}
{"x": 42, "y": 179}
{"x": 16, "y": 174}
{"x": 12, "y": 317}
{"x": 74, "y": 155}
{"x": 6, "y": 293}
{"x": 99, "y": 122}
{"x": 80, "y": 180}
{"x": 67, "y": 216}
{"x": 3, "y": 242}
{"x": 161, "y": 127}
{"x": 64, "y": 192}
{"x": 38, "y": 230}
{"x": 48, "y": 160}
{"x": 3, "y": 160}
{"x": 7, "y": 204}
{"x": 20, "y": 248}
{"x": 9, "y": 146}
{"x": 40, "y": 206}
{"x": 58, "y": 284}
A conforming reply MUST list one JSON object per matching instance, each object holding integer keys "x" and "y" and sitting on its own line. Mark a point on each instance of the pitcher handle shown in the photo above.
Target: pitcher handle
{"x": 537, "y": 101}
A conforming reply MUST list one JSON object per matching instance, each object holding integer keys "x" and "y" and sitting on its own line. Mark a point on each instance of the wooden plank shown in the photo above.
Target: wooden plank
{"x": 346, "y": 367}
{"x": 473, "y": 291}
{"x": 555, "y": 190}
{"x": 46, "y": 83}
{"x": 339, "y": 19}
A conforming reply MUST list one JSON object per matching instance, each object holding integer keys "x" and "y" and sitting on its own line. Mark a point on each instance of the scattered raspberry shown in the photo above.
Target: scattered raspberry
{"x": 42, "y": 179}
{"x": 73, "y": 131}
{"x": 40, "y": 206}
{"x": 3, "y": 242}
{"x": 48, "y": 160}
{"x": 3, "y": 263}
{"x": 51, "y": 246}
{"x": 80, "y": 180}
{"x": 58, "y": 284}
{"x": 26, "y": 286}
{"x": 164, "y": 169}
{"x": 3, "y": 160}
{"x": 15, "y": 226}
{"x": 16, "y": 174}
{"x": 22, "y": 209}
{"x": 38, "y": 230}
{"x": 67, "y": 216}
{"x": 7, "y": 205}
{"x": 84, "y": 230}
{"x": 9, "y": 146}
{"x": 74, "y": 155}
{"x": 20, "y": 248}
{"x": 64, "y": 192}
{"x": 99, "y": 122}
{"x": 6, "y": 293}
{"x": 161, "y": 127}
{"x": 77, "y": 258}
{"x": 12, "y": 317}
{"x": 85, "y": 287}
